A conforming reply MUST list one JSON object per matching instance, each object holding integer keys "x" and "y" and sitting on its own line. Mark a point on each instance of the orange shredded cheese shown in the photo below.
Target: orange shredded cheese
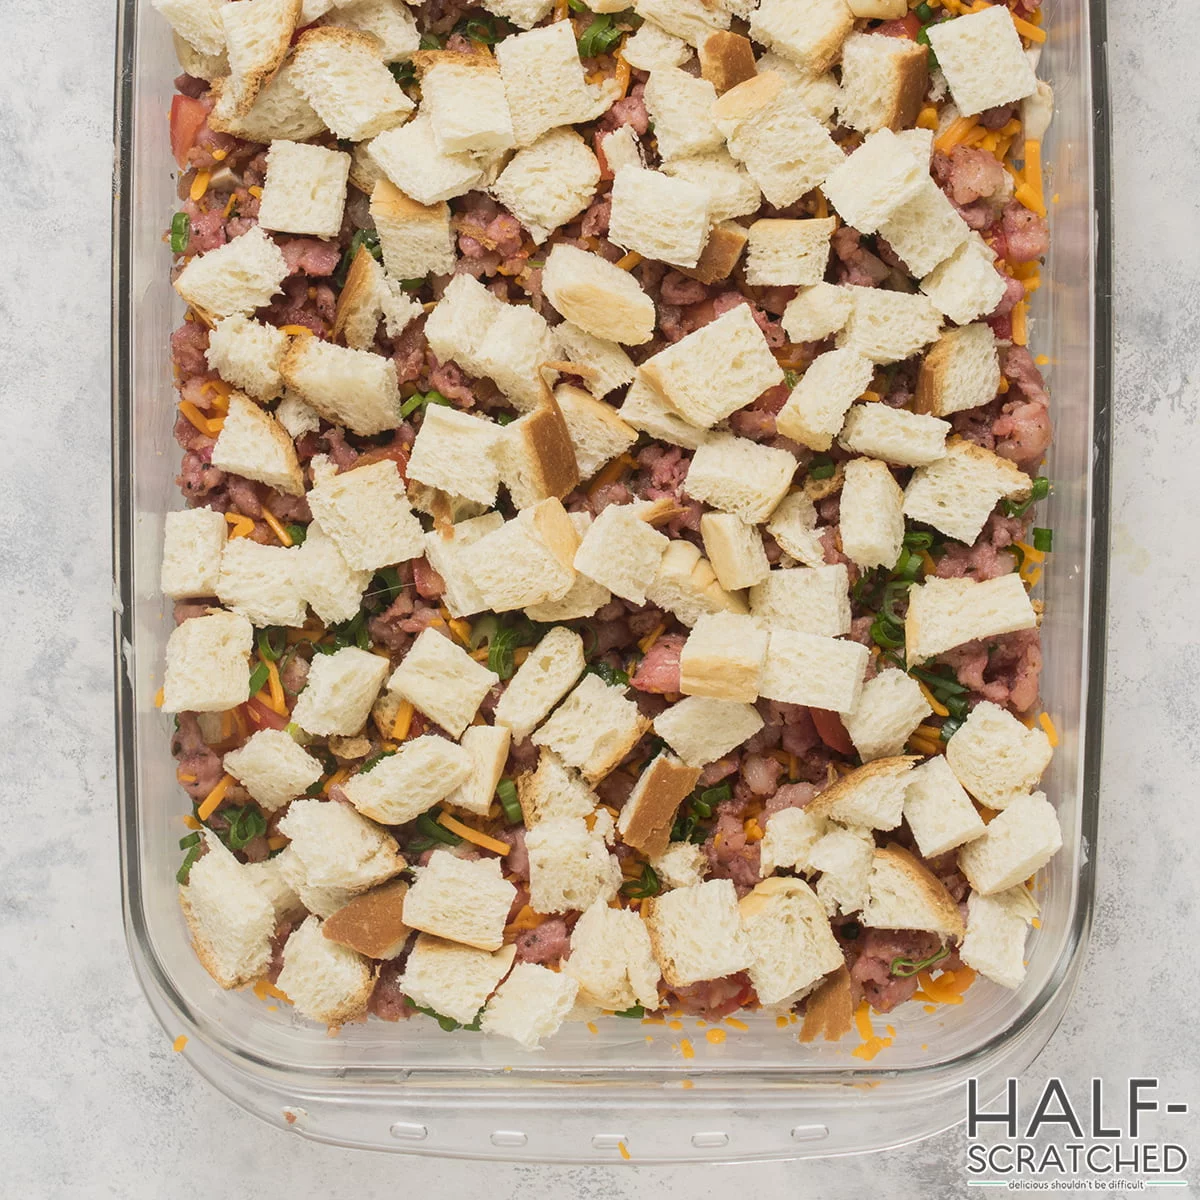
{"x": 1031, "y": 555}
{"x": 296, "y": 330}
{"x": 629, "y": 261}
{"x": 209, "y": 804}
{"x": 624, "y": 1151}
{"x": 734, "y": 1023}
{"x": 591, "y": 1027}
{"x": 198, "y": 419}
{"x": 686, "y": 1049}
{"x": 1025, "y": 29}
{"x": 521, "y": 653}
{"x": 158, "y": 698}
{"x": 461, "y": 630}
{"x": 199, "y": 185}
{"x": 1048, "y": 726}
{"x": 624, "y": 72}
{"x": 938, "y": 707}
{"x": 276, "y": 841}
{"x": 753, "y": 830}
{"x": 612, "y": 472}
{"x": 1020, "y": 333}
{"x": 1033, "y": 173}
{"x": 256, "y": 192}
{"x": 184, "y": 777}
{"x": 241, "y": 526}
{"x": 190, "y": 822}
{"x": 473, "y": 835}
{"x": 927, "y": 118}
{"x": 403, "y": 721}
{"x": 652, "y": 637}
{"x": 178, "y": 1044}
{"x": 525, "y": 919}
{"x": 227, "y": 212}
{"x": 277, "y": 529}
{"x": 275, "y": 687}
{"x": 335, "y": 780}
{"x": 264, "y": 989}
{"x": 954, "y": 133}
{"x": 717, "y": 1036}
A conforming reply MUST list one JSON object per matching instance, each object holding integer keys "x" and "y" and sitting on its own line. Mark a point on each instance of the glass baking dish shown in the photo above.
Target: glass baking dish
{"x": 626, "y": 1088}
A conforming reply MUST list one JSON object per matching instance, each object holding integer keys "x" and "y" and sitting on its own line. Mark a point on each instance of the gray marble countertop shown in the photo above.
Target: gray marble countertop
{"x": 93, "y": 1101}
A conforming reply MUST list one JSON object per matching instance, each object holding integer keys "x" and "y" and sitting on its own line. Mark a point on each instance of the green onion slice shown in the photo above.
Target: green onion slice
{"x": 181, "y": 232}
{"x": 506, "y": 793}
{"x": 258, "y": 678}
{"x": 1043, "y": 539}
{"x": 903, "y": 968}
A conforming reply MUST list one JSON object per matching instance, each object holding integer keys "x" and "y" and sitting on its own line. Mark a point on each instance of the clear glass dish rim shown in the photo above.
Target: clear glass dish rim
{"x": 137, "y": 938}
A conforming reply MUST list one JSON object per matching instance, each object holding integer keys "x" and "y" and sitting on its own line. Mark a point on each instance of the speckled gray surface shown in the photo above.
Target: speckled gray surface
{"x": 92, "y": 1100}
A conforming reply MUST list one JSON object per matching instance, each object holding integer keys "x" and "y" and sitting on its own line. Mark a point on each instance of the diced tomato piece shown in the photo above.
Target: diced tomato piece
{"x": 395, "y": 450}
{"x": 831, "y": 730}
{"x": 263, "y": 717}
{"x": 907, "y": 27}
{"x": 187, "y": 119}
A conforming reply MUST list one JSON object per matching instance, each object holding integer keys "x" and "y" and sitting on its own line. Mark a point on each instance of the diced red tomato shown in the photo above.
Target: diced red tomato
{"x": 907, "y": 27}
{"x": 263, "y": 717}
{"x": 831, "y": 730}
{"x": 187, "y": 119}
{"x": 395, "y": 450}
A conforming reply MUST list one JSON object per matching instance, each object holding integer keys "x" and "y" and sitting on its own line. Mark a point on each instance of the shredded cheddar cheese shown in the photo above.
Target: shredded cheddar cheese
{"x": 612, "y": 472}
{"x": 1025, "y": 29}
{"x": 190, "y": 822}
{"x": 734, "y": 1023}
{"x": 629, "y": 261}
{"x": 199, "y": 186}
{"x": 335, "y": 780}
{"x": 275, "y": 687}
{"x": 461, "y": 630}
{"x": 264, "y": 989}
{"x": 295, "y": 330}
{"x": 753, "y": 830}
{"x": 277, "y": 529}
{"x": 652, "y": 637}
{"x": 1048, "y": 727}
{"x": 717, "y": 1036}
{"x": 209, "y": 804}
{"x": 158, "y": 698}
{"x": 403, "y": 721}
{"x": 1020, "y": 334}
{"x": 178, "y": 1044}
{"x": 938, "y": 707}
{"x": 954, "y": 134}
{"x": 241, "y": 526}
{"x": 276, "y": 841}
{"x": 256, "y": 192}
{"x": 473, "y": 835}
{"x": 927, "y": 118}
{"x": 686, "y": 1049}
{"x": 624, "y": 1151}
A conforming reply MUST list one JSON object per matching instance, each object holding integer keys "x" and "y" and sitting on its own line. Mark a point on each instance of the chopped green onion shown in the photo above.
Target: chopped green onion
{"x": 272, "y": 642}
{"x": 1043, "y": 539}
{"x": 449, "y": 1024}
{"x": 700, "y": 806}
{"x": 481, "y": 29}
{"x": 505, "y": 418}
{"x": 404, "y": 73}
{"x": 908, "y": 566}
{"x": 505, "y": 641}
{"x": 924, "y": 13}
{"x": 644, "y": 886}
{"x": 430, "y": 41}
{"x": 904, "y": 968}
{"x": 923, "y": 36}
{"x": 297, "y": 533}
{"x": 181, "y": 876}
{"x": 918, "y": 539}
{"x": 790, "y": 379}
{"x": 245, "y": 824}
{"x": 362, "y": 237}
{"x": 483, "y": 630}
{"x": 718, "y": 794}
{"x": 181, "y": 232}
{"x": 1017, "y": 553}
{"x": 258, "y": 678}
{"x": 610, "y": 674}
{"x": 577, "y": 6}
{"x": 1039, "y": 491}
{"x": 636, "y": 1011}
{"x": 192, "y": 839}
{"x": 506, "y": 793}
{"x": 950, "y": 726}
{"x": 429, "y": 825}
{"x": 419, "y": 400}
{"x": 821, "y": 468}
{"x": 886, "y": 633}
{"x": 369, "y": 764}
{"x": 599, "y": 37}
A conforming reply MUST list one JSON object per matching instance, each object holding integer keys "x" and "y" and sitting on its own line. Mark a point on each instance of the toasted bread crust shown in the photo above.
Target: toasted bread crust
{"x": 720, "y": 254}
{"x": 825, "y": 801}
{"x": 931, "y": 378}
{"x": 371, "y": 923}
{"x": 726, "y": 59}
{"x": 390, "y": 203}
{"x": 748, "y": 97}
{"x": 829, "y": 1011}
{"x": 618, "y": 752}
{"x": 930, "y": 887}
{"x": 203, "y": 951}
{"x": 358, "y": 293}
{"x": 550, "y": 447}
{"x": 258, "y": 79}
{"x": 911, "y": 84}
{"x": 659, "y": 793}
{"x": 339, "y": 35}
{"x": 426, "y": 60}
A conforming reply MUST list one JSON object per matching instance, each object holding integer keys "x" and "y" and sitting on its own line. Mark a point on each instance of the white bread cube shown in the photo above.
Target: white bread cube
{"x": 647, "y": 817}
{"x": 324, "y": 980}
{"x": 652, "y": 48}
{"x": 957, "y": 492}
{"x": 253, "y": 444}
{"x": 723, "y": 658}
{"x": 370, "y": 293}
{"x": 444, "y": 547}
{"x": 263, "y": 583}
{"x": 323, "y": 902}
{"x": 998, "y": 759}
{"x": 247, "y": 354}
{"x": 338, "y": 847}
{"x": 904, "y": 894}
{"x": 230, "y": 918}
{"x": 465, "y": 901}
{"x": 584, "y": 598}
{"x": 888, "y": 327}
{"x": 410, "y": 157}
{"x": 464, "y": 97}
{"x": 416, "y": 239}
{"x": 793, "y": 525}
{"x": 342, "y": 76}
{"x": 366, "y": 512}
{"x": 257, "y": 36}
{"x": 740, "y": 476}
{"x": 891, "y": 706}
{"x": 894, "y": 435}
{"x": 273, "y": 768}
{"x": 339, "y": 693}
{"x": 983, "y": 60}
{"x": 537, "y": 459}
{"x": 691, "y": 20}
{"x": 553, "y": 667}
{"x": 193, "y": 541}
{"x": 440, "y": 679}
{"x": 788, "y": 253}
{"x": 686, "y": 585}
{"x": 487, "y": 746}
{"x": 645, "y": 409}
{"x": 208, "y": 664}
{"x": 925, "y": 230}
{"x": 874, "y": 181}
{"x": 872, "y": 514}
{"x": 524, "y": 14}
{"x": 791, "y": 943}
{"x": 843, "y": 858}
{"x": 193, "y": 62}
{"x": 390, "y": 21}
{"x": 197, "y": 22}
{"x": 886, "y": 10}
{"x": 1015, "y": 845}
{"x": 621, "y": 551}
{"x": 597, "y": 433}
{"x": 237, "y": 277}
{"x": 597, "y": 296}
{"x": 884, "y": 81}
{"x": 602, "y": 365}
{"x": 680, "y": 865}
{"x": 735, "y": 550}
{"x": 533, "y": 1001}
{"x": 305, "y": 189}
{"x": 569, "y": 866}
{"x": 611, "y": 959}
{"x": 526, "y": 561}
{"x": 818, "y": 93}
{"x": 514, "y": 348}
{"x": 453, "y": 980}
{"x": 731, "y": 190}
{"x": 696, "y": 933}
{"x": 326, "y": 580}
{"x": 701, "y": 730}
{"x": 268, "y": 878}
{"x": 810, "y": 599}
{"x": 967, "y": 285}
{"x": 549, "y": 182}
{"x": 640, "y": 197}
{"x": 791, "y": 834}
{"x": 553, "y": 790}
{"x": 621, "y": 148}
{"x": 809, "y": 32}
{"x": 680, "y": 105}
{"x": 806, "y": 668}
{"x": 354, "y": 388}
{"x": 996, "y": 928}
{"x": 296, "y": 416}
{"x": 593, "y": 729}
{"x": 871, "y": 796}
{"x": 944, "y": 613}
{"x": 456, "y": 326}
{"x": 938, "y": 811}
{"x": 401, "y": 786}
{"x": 816, "y": 409}
{"x": 544, "y": 83}
{"x": 961, "y": 371}
{"x": 770, "y": 128}
{"x": 279, "y": 110}
{"x": 458, "y": 453}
